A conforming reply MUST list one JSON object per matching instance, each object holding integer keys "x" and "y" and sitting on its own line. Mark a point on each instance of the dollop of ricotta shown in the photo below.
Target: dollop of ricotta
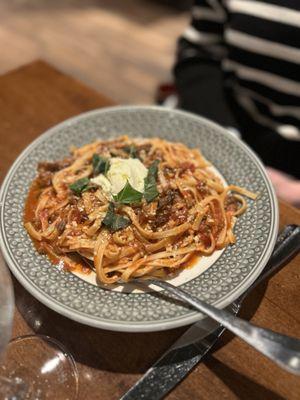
{"x": 120, "y": 171}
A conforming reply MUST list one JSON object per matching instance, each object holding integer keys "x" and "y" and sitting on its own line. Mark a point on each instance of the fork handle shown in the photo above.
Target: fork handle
{"x": 282, "y": 349}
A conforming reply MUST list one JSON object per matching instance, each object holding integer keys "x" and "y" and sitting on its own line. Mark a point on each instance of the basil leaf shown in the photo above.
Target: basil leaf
{"x": 80, "y": 186}
{"x": 115, "y": 222}
{"x": 100, "y": 164}
{"x": 109, "y": 217}
{"x": 128, "y": 195}
{"x": 131, "y": 150}
{"x": 151, "y": 192}
{"x": 120, "y": 222}
{"x": 153, "y": 170}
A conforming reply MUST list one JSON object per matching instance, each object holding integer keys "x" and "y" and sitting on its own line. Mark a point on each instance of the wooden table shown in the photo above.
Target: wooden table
{"x": 32, "y": 99}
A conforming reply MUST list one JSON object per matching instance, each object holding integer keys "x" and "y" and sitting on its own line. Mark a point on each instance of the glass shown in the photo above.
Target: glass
{"x": 32, "y": 367}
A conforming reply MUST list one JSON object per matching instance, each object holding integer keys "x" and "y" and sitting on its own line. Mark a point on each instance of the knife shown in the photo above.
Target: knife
{"x": 196, "y": 342}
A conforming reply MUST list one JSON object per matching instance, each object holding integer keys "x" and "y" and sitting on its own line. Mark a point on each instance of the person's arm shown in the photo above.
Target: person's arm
{"x": 197, "y": 71}
{"x": 287, "y": 188}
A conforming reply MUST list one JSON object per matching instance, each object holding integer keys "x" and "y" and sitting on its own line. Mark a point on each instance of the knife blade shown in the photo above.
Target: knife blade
{"x": 197, "y": 341}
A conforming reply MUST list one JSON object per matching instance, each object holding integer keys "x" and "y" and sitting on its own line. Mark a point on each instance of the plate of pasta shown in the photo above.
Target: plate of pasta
{"x": 126, "y": 193}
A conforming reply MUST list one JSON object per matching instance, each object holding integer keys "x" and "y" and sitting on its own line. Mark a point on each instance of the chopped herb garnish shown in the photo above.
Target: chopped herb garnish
{"x": 100, "y": 164}
{"x": 131, "y": 151}
{"x": 80, "y": 186}
{"x": 113, "y": 221}
{"x": 151, "y": 191}
{"x": 128, "y": 195}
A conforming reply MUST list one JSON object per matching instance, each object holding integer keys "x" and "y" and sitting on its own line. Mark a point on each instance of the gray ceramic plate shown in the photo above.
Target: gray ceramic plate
{"x": 220, "y": 284}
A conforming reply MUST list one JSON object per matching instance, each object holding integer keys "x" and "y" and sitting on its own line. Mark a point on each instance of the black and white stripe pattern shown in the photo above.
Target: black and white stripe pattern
{"x": 258, "y": 46}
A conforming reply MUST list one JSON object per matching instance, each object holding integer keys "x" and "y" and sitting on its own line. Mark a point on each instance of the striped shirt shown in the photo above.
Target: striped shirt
{"x": 257, "y": 44}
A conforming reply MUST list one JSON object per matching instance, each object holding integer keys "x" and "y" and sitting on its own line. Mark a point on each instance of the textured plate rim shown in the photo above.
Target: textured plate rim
{"x": 151, "y": 326}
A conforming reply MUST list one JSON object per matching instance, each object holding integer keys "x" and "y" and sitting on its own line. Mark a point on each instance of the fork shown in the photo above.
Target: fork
{"x": 282, "y": 349}
{"x": 191, "y": 348}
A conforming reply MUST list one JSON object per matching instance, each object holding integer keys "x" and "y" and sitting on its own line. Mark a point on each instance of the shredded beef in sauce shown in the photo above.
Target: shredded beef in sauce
{"x": 166, "y": 211}
{"x": 46, "y": 170}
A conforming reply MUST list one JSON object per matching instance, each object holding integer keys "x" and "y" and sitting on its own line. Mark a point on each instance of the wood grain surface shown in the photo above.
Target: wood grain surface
{"x": 87, "y": 38}
{"x": 32, "y": 99}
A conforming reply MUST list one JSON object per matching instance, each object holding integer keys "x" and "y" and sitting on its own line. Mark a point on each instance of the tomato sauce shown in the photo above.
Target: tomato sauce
{"x": 44, "y": 247}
